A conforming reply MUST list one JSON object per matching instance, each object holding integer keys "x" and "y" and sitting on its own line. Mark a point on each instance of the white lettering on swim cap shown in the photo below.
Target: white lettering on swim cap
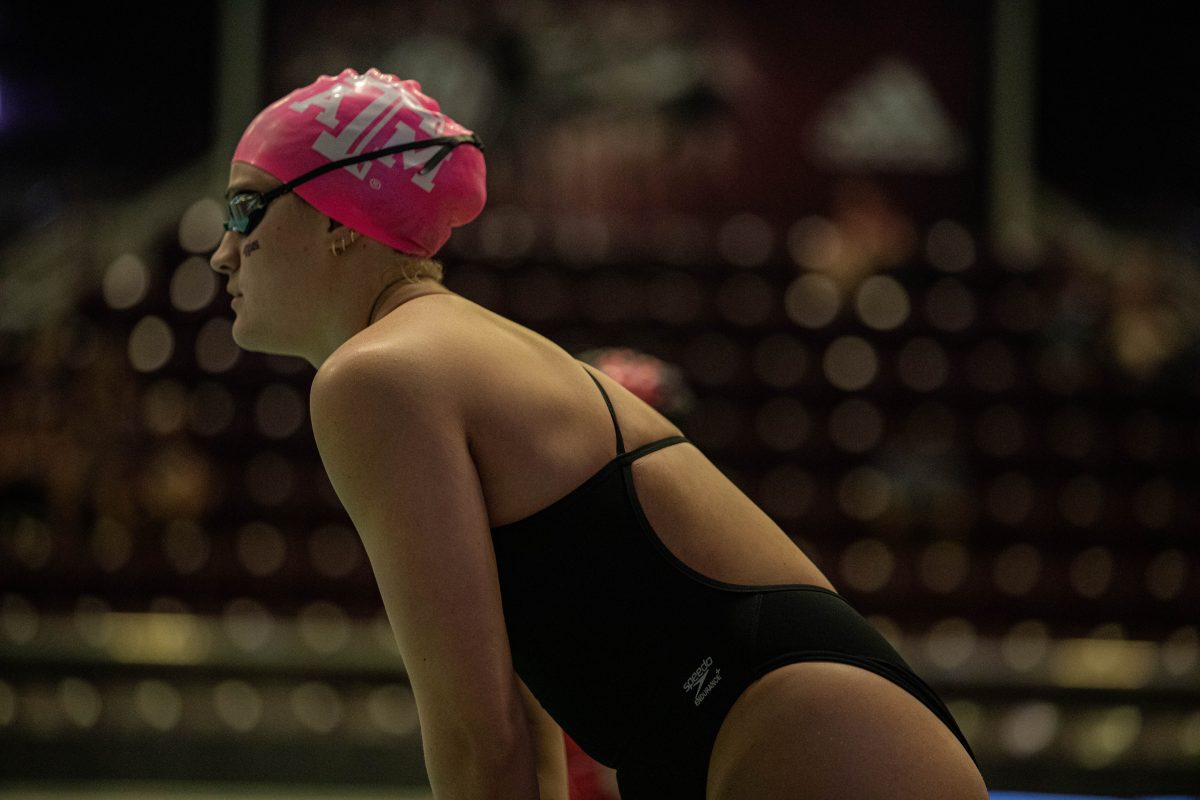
{"x": 416, "y": 158}
{"x": 358, "y": 132}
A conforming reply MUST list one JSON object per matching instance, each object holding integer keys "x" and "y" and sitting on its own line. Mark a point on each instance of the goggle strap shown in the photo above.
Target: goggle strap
{"x": 448, "y": 143}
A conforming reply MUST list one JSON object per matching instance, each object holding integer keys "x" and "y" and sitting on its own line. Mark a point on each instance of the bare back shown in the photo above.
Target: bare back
{"x": 538, "y": 428}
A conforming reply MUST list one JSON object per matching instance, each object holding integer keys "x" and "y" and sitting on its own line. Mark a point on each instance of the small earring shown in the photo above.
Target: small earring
{"x": 339, "y": 247}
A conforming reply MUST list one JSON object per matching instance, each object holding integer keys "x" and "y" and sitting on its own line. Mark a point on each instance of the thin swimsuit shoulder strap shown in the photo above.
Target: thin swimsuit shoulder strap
{"x": 611, "y": 412}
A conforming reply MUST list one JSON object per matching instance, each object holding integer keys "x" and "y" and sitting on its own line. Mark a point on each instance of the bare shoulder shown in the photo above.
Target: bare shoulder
{"x": 450, "y": 375}
{"x": 416, "y": 358}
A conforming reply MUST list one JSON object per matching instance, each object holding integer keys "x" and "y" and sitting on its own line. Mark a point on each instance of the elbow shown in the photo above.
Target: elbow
{"x": 484, "y": 763}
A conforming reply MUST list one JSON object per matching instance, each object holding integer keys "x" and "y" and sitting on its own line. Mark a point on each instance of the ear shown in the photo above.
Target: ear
{"x": 338, "y": 237}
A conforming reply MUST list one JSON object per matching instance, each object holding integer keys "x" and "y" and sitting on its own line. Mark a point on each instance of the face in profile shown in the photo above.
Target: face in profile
{"x": 278, "y": 269}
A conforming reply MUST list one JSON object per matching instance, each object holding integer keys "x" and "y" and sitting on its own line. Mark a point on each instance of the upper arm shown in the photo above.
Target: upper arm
{"x": 398, "y": 458}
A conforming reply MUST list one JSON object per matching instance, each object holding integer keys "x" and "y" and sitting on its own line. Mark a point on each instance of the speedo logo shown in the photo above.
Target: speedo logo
{"x": 698, "y": 678}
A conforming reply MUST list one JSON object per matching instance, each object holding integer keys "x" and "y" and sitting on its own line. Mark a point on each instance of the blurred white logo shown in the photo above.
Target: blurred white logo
{"x": 889, "y": 119}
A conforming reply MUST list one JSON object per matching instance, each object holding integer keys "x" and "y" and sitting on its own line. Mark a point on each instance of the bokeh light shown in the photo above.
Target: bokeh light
{"x": 216, "y": 351}
{"x": 812, "y": 301}
{"x": 279, "y": 411}
{"x": 248, "y": 624}
{"x": 324, "y": 627}
{"x": 186, "y": 546}
{"x": 1030, "y": 728}
{"x": 815, "y": 243}
{"x": 867, "y": 565}
{"x": 1026, "y": 645}
{"x": 81, "y": 702}
{"x": 393, "y": 709}
{"x": 865, "y": 493}
{"x": 202, "y": 226}
{"x": 193, "y": 285}
{"x": 159, "y": 704}
{"x": 951, "y": 643}
{"x": 238, "y": 704}
{"x": 261, "y": 548}
{"x": 318, "y": 706}
{"x": 850, "y": 363}
{"x": 126, "y": 282}
{"x": 1091, "y": 572}
{"x": 882, "y": 303}
{"x": 151, "y": 344}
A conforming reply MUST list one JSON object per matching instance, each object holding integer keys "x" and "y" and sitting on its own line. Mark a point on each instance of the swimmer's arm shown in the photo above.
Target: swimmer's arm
{"x": 388, "y": 433}
{"x": 550, "y": 746}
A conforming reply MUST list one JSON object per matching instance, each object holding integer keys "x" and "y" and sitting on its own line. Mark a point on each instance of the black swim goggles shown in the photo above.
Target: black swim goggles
{"x": 247, "y": 207}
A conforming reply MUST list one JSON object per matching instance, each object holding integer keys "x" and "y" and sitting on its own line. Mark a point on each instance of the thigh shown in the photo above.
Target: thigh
{"x": 824, "y": 731}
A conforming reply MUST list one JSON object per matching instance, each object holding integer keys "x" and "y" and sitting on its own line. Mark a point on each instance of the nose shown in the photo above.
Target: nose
{"x": 225, "y": 259}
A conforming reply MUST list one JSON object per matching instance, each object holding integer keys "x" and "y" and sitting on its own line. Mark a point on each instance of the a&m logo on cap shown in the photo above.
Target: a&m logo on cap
{"x": 371, "y": 121}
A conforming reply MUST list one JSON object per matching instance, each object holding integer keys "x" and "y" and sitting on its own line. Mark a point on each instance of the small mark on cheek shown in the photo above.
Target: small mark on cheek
{"x": 249, "y": 248}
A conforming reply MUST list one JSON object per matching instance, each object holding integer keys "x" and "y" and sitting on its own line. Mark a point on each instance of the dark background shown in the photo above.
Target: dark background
{"x": 99, "y": 101}
{"x": 1059, "y": 442}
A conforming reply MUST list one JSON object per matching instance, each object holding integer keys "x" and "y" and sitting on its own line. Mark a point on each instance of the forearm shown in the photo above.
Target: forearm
{"x": 487, "y": 771}
{"x": 553, "y": 781}
{"x": 548, "y": 742}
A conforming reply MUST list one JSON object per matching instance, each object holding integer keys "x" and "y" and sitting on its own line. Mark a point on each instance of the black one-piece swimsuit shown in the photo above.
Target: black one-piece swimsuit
{"x": 638, "y": 656}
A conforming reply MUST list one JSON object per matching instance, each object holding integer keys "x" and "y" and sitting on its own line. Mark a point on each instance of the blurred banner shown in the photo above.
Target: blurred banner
{"x": 697, "y": 107}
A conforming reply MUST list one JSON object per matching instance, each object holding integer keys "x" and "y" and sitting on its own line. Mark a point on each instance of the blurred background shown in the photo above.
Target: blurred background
{"x": 929, "y": 268}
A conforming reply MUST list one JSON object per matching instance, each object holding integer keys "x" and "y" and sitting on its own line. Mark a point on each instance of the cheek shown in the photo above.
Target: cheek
{"x": 280, "y": 271}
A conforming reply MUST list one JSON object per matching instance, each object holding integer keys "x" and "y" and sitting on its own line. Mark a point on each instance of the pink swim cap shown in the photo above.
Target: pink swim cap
{"x": 394, "y": 199}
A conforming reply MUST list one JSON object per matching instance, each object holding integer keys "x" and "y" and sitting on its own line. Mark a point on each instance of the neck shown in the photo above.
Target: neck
{"x": 398, "y": 292}
{"x": 393, "y": 295}
{"x": 379, "y": 299}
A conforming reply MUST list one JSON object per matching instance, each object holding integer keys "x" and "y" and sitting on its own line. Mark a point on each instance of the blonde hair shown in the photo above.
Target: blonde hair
{"x": 416, "y": 268}
{"x": 412, "y": 269}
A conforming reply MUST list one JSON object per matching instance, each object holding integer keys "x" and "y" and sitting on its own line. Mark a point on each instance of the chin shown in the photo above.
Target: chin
{"x": 258, "y": 341}
{"x": 245, "y": 337}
